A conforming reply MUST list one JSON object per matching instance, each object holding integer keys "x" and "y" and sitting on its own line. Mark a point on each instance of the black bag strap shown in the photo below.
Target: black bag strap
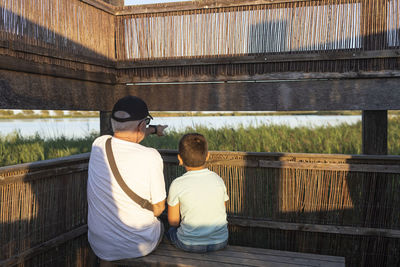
{"x": 144, "y": 203}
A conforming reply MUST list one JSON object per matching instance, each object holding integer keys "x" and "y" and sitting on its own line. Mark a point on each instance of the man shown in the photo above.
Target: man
{"x": 118, "y": 227}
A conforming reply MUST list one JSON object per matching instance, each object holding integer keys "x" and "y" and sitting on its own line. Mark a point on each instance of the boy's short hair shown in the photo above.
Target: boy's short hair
{"x": 193, "y": 149}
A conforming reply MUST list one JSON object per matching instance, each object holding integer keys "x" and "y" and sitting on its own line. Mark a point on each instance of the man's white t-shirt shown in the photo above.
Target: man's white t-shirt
{"x": 118, "y": 227}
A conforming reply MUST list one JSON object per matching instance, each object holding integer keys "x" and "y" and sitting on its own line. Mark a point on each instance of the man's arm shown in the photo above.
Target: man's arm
{"x": 158, "y": 208}
{"x": 174, "y": 216}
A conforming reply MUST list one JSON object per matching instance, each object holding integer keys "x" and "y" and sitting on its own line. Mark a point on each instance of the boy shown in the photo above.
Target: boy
{"x": 196, "y": 201}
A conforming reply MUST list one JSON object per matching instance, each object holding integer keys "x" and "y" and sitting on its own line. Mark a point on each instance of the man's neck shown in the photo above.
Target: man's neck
{"x": 127, "y": 136}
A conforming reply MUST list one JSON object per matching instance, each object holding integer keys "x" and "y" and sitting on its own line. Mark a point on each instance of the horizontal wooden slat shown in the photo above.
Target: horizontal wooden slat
{"x": 124, "y": 78}
{"x": 23, "y": 46}
{"x": 331, "y": 167}
{"x": 193, "y": 5}
{"x": 31, "y": 252}
{"x": 21, "y": 90}
{"x": 262, "y": 251}
{"x": 41, "y": 174}
{"x": 44, "y": 169}
{"x": 317, "y": 228}
{"x": 268, "y": 58}
{"x": 349, "y": 94}
{"x": 238, "y": 258}
{"x": 20, "y": 65}
{"x": 168, "y": 255}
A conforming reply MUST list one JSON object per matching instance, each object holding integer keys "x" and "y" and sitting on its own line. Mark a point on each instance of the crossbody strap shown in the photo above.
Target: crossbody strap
{"x": 144, "y": 203}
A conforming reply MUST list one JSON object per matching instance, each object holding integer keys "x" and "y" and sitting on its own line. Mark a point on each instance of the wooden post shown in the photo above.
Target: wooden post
{"x": 374, "y": 132}
{"x": 374, "y": 30}
{"x": 105, "y": 123}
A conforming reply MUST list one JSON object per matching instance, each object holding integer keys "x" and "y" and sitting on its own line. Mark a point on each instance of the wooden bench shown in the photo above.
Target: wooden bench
{"x": 167, "y": 255}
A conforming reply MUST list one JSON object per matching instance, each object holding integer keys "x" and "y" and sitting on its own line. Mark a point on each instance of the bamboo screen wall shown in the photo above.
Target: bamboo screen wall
{"x": 292, "y": 26}
{"x": 69, "y": 27}
{"x": 313, "y": 27}
{"x": 253, "y": 41}
{"x": 329, "y": 204}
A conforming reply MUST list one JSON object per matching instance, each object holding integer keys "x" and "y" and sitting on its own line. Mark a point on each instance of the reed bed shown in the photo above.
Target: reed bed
{"x": 342, "y": 139}
{"x": 15, "y": 149}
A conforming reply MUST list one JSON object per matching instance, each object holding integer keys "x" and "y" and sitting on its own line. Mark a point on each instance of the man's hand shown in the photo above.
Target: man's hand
{"x": 156, "y": 129}
{"x": 158, "y": 208}
{"x": 160, "y": 129}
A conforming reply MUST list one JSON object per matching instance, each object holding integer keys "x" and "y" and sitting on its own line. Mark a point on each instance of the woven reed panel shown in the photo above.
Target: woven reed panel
{"x": 331, "y": 36}
{"x": 71, "y": 27}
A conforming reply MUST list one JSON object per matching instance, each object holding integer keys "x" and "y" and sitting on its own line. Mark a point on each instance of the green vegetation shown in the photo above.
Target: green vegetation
{"x": 343, "y": 139}
{"x": 15, "y": 149}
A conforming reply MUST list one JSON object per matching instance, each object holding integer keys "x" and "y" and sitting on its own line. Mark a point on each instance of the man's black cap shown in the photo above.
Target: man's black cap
{"x": 134, "y": 106}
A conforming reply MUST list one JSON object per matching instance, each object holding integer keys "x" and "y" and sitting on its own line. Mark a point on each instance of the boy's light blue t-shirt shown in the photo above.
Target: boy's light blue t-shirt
{"x": 201, "y": 195}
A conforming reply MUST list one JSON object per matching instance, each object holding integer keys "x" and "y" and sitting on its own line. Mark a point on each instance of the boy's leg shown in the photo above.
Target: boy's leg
{"x": 171, "y": 234}
{"x": 173, "y": 237}
{"x": 218, "y": 246}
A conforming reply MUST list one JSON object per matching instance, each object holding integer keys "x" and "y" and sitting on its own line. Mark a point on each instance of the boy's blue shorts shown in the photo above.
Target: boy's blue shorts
{"x": 172, "y": 236}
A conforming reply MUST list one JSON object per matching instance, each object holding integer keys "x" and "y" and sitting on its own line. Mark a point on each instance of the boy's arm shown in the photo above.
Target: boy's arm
{"x": 174, "y": 216}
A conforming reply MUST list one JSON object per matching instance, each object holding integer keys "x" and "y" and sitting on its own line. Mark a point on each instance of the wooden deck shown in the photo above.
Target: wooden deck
{"x": 168, "y": 255}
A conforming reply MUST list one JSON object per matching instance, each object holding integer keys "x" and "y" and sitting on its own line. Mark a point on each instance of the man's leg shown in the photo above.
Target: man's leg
{"x": 162, "y": 230}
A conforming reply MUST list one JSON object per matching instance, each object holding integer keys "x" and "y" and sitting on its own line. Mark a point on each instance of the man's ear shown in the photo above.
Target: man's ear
{"x": 180, "y": 160}
{"x": 142, "y": 126}
{"x": 208, "y": 156}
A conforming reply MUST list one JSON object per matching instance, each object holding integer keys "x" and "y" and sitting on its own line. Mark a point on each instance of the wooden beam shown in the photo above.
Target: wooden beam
{"x": 266, "y": 58}
{"x": 351, "y": 94}
{"x": 124, "y": 78}
{"x": 19, "y": 90}
{"x": 374, "y": 132}
{"x": 194, "y": 5}
{"x": 24, "y": 66}
{"x": 25, "y": 47}
{"x": 317, "y": 228}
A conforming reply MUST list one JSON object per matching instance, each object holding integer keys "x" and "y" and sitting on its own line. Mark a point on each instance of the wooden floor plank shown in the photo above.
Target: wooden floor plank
{"x": 259, "y": 253}
{"x": 220, "y": 258}
{"x": 286, "y": 253}
{"x": 166, "y": 261}
{"x": 168, "y": 255}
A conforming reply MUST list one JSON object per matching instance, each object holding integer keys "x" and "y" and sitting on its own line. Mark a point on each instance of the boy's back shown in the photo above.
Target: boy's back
{"x": 201, "y": 195}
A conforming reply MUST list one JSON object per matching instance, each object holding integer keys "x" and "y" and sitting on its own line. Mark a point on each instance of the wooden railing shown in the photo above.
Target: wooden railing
{"x": 300, "y": 202}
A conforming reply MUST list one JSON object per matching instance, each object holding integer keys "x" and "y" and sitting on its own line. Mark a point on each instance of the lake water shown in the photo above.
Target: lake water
{"x": 78, "y": 127}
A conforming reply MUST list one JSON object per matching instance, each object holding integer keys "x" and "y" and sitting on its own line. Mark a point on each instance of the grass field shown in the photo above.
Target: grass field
{"x": 342, "y": 139}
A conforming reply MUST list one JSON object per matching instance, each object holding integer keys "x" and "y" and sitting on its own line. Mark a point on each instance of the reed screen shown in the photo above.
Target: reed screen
{"x": 298, "y": 26}
{"x": 69, "y": 26}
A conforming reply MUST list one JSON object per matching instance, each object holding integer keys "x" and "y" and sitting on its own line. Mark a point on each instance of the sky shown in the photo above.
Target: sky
{"x": 143, "y": 2}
